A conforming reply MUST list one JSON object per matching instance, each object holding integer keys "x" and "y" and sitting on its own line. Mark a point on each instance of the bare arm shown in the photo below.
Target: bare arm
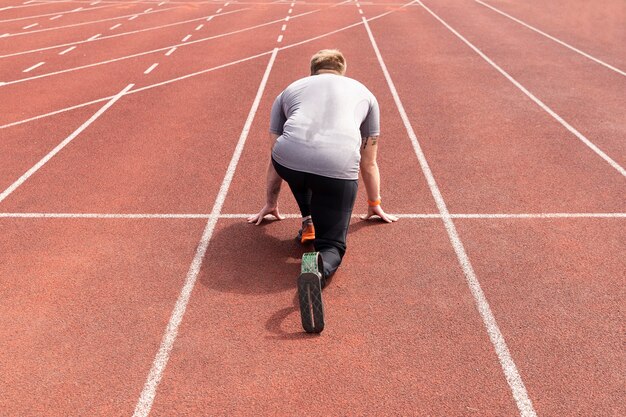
{"x": 371, "y": 179}
{"x": 369, "y": 167}
{"x": 272, "y": 192}
{"x": 273, "y": 180}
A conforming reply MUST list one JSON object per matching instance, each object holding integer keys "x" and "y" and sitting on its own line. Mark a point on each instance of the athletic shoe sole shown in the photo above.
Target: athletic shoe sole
{"x": 310, "y": 293}
{"x": 311, "y": 305}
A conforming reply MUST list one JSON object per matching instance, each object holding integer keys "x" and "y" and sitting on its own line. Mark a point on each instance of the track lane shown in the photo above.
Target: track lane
{"x": 553, "y": 394}
{"x": 22, "y": 146}
{"x": 60, "y": 19}
{"x": 95, "y": 82}
{"x": 114, "y": 43}
{"x": 84, "y": 304}
{"x": 557, "y": 288}
{"x": 54, "y": 40}
{"x": 596, "y": 28}
{"x": 190, "y": 75}
{"x": 155, "y": 152}
{"x": 590, "y": 97}
{"x": 395, "y": 157}
{"x": 50, "y": 10}
{"x": 491, "y": 150}
{"x": 258, "y": 295}
{"x": 392, "y": 344}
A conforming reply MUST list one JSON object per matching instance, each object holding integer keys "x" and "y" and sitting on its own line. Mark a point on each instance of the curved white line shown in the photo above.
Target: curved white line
{"x": 31, "y": 5}
{"x": 56, "y": 13}
{"x": 62, "y": 145}
{"x": 77, "y": 106}
{"x": 118, "y": 34}
{"x": 82, "y": 24}
{"x": 49, "y": 74}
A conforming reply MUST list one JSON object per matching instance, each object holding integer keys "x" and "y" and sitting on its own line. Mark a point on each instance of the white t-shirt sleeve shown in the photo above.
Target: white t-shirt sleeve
{"x": 371, "y": 123}
{"x": 277, "y": 116}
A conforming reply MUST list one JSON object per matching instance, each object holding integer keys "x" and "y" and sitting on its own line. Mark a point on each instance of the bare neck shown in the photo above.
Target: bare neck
{"x": 328, "y": 71}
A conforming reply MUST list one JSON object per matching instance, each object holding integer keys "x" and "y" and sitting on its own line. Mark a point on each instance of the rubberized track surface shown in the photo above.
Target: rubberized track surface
{"x": 130, "y": 282}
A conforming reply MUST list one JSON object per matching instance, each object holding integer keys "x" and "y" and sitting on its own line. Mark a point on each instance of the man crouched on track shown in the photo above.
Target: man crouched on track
{"x": 324, "y": 130}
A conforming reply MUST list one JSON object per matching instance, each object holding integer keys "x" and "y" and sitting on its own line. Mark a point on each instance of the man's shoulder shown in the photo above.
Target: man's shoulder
{"x": 298, "y": 82}
{"x": 359, "y": 86}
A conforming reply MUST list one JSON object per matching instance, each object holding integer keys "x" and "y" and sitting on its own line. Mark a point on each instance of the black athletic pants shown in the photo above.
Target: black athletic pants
{"x": 329, "y": 202}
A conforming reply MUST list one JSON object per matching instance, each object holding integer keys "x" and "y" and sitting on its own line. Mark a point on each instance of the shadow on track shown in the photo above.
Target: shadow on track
{"x": 246, "y": 259}
{"x": 251, "y": 260}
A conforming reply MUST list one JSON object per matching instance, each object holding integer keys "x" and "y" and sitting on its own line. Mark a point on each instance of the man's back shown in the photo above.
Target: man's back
{"x": 321, "y": 120}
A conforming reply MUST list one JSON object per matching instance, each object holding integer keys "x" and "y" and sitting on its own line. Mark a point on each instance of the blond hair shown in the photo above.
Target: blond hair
{"x": 328, "y": 59}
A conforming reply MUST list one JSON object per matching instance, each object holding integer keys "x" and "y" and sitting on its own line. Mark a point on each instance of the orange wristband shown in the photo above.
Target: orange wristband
{"x": 373, "y": 203}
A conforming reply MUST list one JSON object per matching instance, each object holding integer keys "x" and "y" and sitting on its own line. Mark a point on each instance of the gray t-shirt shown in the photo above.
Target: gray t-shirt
{"x": 321, "y": 120}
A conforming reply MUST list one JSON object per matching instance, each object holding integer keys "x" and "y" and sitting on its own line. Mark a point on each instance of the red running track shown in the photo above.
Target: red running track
{"x": 88, "y": 291}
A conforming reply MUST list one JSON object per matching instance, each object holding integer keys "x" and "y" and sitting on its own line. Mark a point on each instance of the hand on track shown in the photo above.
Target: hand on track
{"x": 378, "y": 211}
{"x": 258, "y": 218}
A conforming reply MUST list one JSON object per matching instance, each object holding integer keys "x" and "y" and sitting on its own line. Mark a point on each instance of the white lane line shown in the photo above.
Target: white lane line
{"x": 83, "y": 24}
{"x": 104, "y": 216}
{"x": 218, "y": 11}
{"x": 63, "y": 52}
{"x": 56, "y": 17}
{"x": 511, "y": 373}
{"x": 149, "y": 70}
{"x": 477, "y": 216}
{"x": 200, "y": 26}
{"x": 160, "y": 361}
{"x": 170, "y": 52}
{"x": 360, "y": 11}
{"x": 161, "y": 4}
{"x": 537, "y": 215}
{"x": 418, "y": 216}
{"x": 79, "y": 9}
{"x": 195, "y": 74}
{"x": 148, "y": 87}
{"x": 586, "y": 55}
{"x": 30, "y": 26}
{"x": 6, "y": 8}
{"x": 115, "y": 26}
{"x": 186, "y": 38}
{"x": 29, "y": 69}
{"x": 283, "y": 28}
{"x": 226, "y": 4}
{"x": 133, "y": 17}
{"x": 148, "y": 10}
{"x": 4, "y": 35}
{"x": 359, "y": 23}
{"x": 94, "y": 37}
{"x": 209, "y": 18}
{"x": 287, "y": 19}
{"x": 530, "y": 95}
{"x": 94, "y": 3}
{"x": 280, "y": 38}
{"x": 61, "y": 145}
{"x": 290, "y": 10}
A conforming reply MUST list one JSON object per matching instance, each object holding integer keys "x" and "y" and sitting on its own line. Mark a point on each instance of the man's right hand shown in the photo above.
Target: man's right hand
{"x": 378, "y": 211}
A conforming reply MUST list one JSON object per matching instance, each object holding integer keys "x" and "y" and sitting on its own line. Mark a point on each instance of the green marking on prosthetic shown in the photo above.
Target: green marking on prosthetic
{"x": 309, "y": 262}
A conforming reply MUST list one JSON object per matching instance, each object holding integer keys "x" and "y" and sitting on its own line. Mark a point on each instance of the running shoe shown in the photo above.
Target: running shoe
{"x": 307, "y": 232}
{"x": 310, "y": 292}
